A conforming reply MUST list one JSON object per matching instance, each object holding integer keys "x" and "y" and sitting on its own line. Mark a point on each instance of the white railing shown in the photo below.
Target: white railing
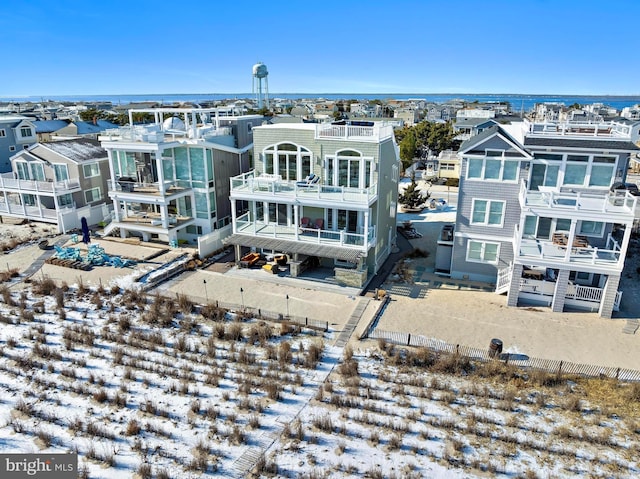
{"x": 552, "y": 253}
{"x": 274, "y": 185}
{"x": 575, "y": 292}
{"x": 354, "y": 132}
{"x": 8, "y": 182}
{"x": 244, "y": 225}
{"x": 619, "y": 201}
{"x": 504, "y": 278}
{"x": 597, "y": 129}
{"x": 156, "y": 133}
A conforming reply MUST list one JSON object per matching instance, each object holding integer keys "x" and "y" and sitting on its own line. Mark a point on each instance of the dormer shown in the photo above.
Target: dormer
{"x": 25, "y": 132}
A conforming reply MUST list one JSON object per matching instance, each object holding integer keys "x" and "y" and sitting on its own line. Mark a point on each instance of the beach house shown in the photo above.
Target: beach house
{"x": 543, "y": 212}
{"x": 169, "y": 179}
{"x": 17, "y": 132}
{"x": 58, "y": 182}
{"x": 325, "y": 194}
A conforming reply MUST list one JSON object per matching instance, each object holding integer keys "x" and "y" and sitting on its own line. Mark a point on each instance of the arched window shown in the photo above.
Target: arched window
{"x": 290, "y": 161}
{"x": 350, "y": 169}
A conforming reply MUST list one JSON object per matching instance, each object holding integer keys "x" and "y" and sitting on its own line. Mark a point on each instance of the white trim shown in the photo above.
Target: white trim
{"x": 99, "y": 198}
{"x": 481, "y": 237}
{"x": 483, "y": 177}
{"x": 487, "y": 213}
{"x": 84, "y": 171}
{"x": 484, "y": 243}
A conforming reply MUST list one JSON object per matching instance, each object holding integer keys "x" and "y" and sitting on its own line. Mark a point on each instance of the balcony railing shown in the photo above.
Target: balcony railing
{"x": 8, "y": 182}
{"x": 353, "y": 132}
{"x": 597, "y": 129}
{"x": 578, "y": 295}
{"x": 156, "y": 134}
{"x": 31, "y": 212}
{"x": 245, "y": 225}
{"x": 534, "y": 249}
{"x": 274, "y": 185}
{"x": 616, "y": 202}
{"x": 148, "y": 188}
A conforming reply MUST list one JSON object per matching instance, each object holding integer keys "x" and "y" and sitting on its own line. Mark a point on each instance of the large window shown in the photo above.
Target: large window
{"x": 602, "y": 171}
{"x": 290, "y": 161}
{"x": 487, "y": 212}
{"x": 350, "y": 169}
{"x": 61, "y": 171}
{"x": 591, "y": 228}
{"x": 65, "y": 200}
{"x": 93, "y": 195}
{"x": 482, "y": 252}
{"x": 91, "y": 170}
{"x": 493, "y": 169}
{"x": 37, "y": 171}
{"x": 25, "y": 132}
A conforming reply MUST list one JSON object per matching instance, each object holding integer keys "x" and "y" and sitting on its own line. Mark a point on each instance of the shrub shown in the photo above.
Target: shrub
{"x": 133, "y": 428}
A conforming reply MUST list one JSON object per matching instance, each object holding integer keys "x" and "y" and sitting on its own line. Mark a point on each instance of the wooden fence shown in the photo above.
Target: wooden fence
{"x": 275, "y": 316}
{"x": 519, "y": 360}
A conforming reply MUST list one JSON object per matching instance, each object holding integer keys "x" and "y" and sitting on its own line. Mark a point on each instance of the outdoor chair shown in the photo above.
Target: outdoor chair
{"x": 319, "y": 224}
{"x": 304, "y": 222}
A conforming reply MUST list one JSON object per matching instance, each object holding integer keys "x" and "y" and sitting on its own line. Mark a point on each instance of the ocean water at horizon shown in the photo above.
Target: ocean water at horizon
{"x": 518, "y": 101}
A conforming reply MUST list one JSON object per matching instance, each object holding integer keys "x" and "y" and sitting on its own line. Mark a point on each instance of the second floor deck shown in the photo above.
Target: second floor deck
{"x": 246, "y": 226}
{"x": 48, "y": 188}
{"x": 251, "y": 185}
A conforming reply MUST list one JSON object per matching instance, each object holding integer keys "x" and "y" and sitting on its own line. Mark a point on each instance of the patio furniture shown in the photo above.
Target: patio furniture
{"x": 310, "y": 180}
{"x": 249, "y": 260}
{"x": 319, "y": 223}
{"x": 304, "y": 222}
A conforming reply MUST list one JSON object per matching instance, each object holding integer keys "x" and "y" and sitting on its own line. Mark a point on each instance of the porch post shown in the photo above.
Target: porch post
{"x": 514, "y": 285}
{"x": 233, "y": 215}
{"x": 572, "y": 235}
{"x": 625, "y": 242}
{"x": 608, "y": 296}
{"x": 296, "y": 220}
{"x": 562, "y": 284}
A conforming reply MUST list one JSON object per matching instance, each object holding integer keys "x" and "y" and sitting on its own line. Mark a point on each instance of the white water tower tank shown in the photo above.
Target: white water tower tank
{"x": 261, "y": 84}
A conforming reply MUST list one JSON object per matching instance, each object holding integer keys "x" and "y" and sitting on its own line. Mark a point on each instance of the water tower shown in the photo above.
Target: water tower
{"x": 261, "y": 84}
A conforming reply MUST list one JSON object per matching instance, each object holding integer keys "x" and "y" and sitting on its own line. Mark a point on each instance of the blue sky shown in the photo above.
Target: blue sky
{"x": 463, "y": 46}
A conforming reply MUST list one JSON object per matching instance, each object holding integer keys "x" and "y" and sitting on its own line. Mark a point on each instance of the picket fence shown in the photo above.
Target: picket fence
{"x": 519, "y": 360}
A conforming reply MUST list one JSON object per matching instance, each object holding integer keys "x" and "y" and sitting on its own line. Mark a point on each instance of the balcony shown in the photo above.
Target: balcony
{"x": 151, "y": 223}
{"x": 48, "y": 215}
{"x": 245, "y": 226}
{"x": 551, "y": 254}
{"x": 249, "y": 186}
{"x": 49, "y": 188}
{"x": 126, "y": 187}
{"x": 581, "y": 129}
{"x": 620, "y": 202}
{"x": 157, "y": 134}
{"x": 374, "y": 133}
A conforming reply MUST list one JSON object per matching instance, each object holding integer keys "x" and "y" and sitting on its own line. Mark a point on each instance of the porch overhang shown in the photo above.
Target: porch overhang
{"x": 351, "y": 255}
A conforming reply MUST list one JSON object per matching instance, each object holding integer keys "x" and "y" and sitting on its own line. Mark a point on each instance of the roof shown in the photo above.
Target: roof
{"x": 88, "y": 127}
{"x": 79, "y": 150}
{"x": 310, "y": 249}
{"x": 49, "y": 126}
{"x": 572, "y": 142}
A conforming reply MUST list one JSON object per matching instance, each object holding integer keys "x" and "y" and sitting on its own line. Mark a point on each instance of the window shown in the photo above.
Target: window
{"x": 393, "y": 209}
{"x": 37, "y": 171}
{"x": 12, "y": 148}
{"x": 493, "y": 169}
{"x": 447, "y": 166}
{"x": 25, "y": 132}
{"x": 486, "y": 212}
{"x": 482, "y": 252}
{"x": 574, "y": 174}
{"x": 2, "y": 133}
{"x": 591, "y": 228}
{"x": 92, "y": 195}
{"x": 65, "y": 200}
{"x": 61, "y": 172}
{"x": 291, "y": 162}
{"x": 91, "y": 170}
{"x": 394, "y": 173}
{"x": 602, "y": 171}
{"x": 249, "y": 127}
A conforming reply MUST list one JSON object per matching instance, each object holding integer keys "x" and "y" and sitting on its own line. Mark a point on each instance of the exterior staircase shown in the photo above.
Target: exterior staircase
{"x": 504, "y": 279}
